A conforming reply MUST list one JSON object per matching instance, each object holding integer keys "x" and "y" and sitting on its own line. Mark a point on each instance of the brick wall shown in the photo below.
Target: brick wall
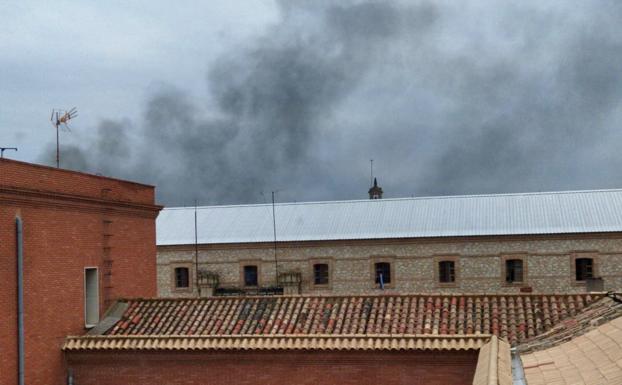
{"x": 548, "y": 263}
{"x": 71, "y": 221}
{"x": 43, "y": 178}
{"x": 257, "y": 368}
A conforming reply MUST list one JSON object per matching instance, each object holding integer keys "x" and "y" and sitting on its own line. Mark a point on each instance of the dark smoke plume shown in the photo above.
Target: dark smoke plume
{"x": 447, "y": 98}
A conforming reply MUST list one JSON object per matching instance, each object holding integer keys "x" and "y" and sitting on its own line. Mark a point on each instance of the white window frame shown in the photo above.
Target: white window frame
{"x": 86, "y": 315}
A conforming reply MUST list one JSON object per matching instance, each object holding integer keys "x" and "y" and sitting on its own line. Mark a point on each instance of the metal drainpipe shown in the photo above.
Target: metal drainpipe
{"x": 20, "y": 300}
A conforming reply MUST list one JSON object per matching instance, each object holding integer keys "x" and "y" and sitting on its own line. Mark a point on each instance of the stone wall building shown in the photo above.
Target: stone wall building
{"x": 559, "y": 242}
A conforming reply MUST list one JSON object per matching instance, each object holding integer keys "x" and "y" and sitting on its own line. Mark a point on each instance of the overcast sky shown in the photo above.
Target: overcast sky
{"x": 224, "y": 101}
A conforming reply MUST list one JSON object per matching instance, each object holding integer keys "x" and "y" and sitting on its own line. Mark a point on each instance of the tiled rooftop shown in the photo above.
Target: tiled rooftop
{"x": 585, "y": 349}
{"x": 512, "y": 317}
{"x": 599, "y": 312}
{"x": 493, "y": 364}
{"x": 560, "y": 339}
{"x": 593, "y": 358}
{"x": 278, "y": 342}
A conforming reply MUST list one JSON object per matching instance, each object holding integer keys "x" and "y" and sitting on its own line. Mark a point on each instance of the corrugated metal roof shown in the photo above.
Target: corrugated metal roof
{"x": 469, "y": 215}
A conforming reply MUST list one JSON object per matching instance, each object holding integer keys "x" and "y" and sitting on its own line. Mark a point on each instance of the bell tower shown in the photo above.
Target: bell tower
{"x": 375, "y": 192}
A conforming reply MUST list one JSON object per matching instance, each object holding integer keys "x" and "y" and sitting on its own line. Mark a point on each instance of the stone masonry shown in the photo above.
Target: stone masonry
{"x": 479, "y": 263}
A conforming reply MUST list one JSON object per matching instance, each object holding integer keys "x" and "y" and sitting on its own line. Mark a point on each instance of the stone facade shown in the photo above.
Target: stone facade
{"x": 479, "y": 264}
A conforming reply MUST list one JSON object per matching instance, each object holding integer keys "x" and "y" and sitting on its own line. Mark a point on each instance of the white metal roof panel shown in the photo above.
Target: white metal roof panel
{"x": 469, "y": 215}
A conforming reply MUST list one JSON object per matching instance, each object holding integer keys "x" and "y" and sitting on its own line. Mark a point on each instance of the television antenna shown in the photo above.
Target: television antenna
{"x": 3, "y": 149}
{"x": 371, "y": 172}
{"x": 61, "y": 118}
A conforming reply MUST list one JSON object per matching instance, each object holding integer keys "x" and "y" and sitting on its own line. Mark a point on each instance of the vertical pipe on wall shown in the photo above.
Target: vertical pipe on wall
{"x": 70, "y": 377}
{"x": 20, "y": 300}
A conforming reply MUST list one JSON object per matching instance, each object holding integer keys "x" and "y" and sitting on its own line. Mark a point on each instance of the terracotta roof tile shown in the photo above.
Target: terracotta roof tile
{"x": 513, "y": 317}
{"x": 494, "y": 366}
{"x": 276, "y": 342}
{"x": 586, "y": 349}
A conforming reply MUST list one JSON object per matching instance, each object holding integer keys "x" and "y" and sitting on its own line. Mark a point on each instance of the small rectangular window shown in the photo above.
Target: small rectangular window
{"x": 182, "y": 277}
{"x": 447, "y": 272}
{"x": 383, "y": 272}
{"x": 513, "y": 270}
{"x": 320, "y": 274}
{"x": 250, "y": 275}
{"x": 91, "y": 297}
{"x": 584, "y": 268}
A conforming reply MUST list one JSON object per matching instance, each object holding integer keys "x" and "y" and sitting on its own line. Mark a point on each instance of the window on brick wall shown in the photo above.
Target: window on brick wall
{"x": 182, "y": 277}
{"x": 584, "y": 268}
{"x": 513, "y": 270}
{"x": 91, "y": 296}
{"x": 250, "y": 275}
{"x": 383, "y": 272}
{"x": 447, "y": 272}
{"x": 320, "y": 274}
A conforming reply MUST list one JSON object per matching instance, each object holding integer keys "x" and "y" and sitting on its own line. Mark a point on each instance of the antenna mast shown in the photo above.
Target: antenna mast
{"x": 276, "y": 265}
{"x": 58, "y": 118}
{"x": 196, "y": 251}
{"x": 371, "y": 172}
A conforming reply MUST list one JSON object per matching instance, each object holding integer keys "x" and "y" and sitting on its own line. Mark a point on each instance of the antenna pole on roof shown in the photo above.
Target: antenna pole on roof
{"x": 371, "y": 172}
{"x": 61, "y": 118}
{"x": 276, "y": 265}
{"x": 196, "y": 251}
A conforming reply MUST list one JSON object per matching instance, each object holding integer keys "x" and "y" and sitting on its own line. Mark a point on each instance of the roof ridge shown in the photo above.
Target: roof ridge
{"x": 273, "y": 336}
{"x": 376, "y": 201}
{"x": 282, "y": 343}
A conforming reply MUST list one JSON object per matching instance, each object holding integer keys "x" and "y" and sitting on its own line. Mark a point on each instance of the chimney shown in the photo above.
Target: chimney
{"x": 375, "y": 192}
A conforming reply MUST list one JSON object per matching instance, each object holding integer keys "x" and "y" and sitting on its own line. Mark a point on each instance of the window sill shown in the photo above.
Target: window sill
{"x": 514, "y": 284}
{"x": 321, "y": 286}
{"x": 447, "y": 284}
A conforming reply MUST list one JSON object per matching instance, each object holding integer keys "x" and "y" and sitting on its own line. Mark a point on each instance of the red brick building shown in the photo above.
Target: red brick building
{"x": 82, "y": 235}
{"x": 375, "y": 339}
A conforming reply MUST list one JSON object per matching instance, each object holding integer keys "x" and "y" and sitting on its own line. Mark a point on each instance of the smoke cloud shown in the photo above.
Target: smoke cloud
{"x": 446, "y": 98}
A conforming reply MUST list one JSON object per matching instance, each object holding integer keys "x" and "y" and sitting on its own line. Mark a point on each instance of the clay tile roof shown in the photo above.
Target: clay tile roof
{"x": 585, "y": 351}
{"x": 590, "y": 317}
{"x": 515, "y": 318}
{"x": 585, "y": 348}
{"x": 494, "y": 366}
{"x": 276, "y": 342}
{"x": 381, "y": 322}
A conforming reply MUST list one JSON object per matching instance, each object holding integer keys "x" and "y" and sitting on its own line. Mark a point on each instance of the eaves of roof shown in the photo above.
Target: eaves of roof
{"x": 276, "y": 342}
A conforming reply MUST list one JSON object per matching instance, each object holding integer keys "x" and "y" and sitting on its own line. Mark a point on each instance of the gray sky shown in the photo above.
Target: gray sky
{"x": 226, "y": 101}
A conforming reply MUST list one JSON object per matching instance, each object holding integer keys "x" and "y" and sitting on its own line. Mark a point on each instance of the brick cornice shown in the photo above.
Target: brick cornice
{"x": 65, "y": 171}
{"x": 37, "y": 198}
